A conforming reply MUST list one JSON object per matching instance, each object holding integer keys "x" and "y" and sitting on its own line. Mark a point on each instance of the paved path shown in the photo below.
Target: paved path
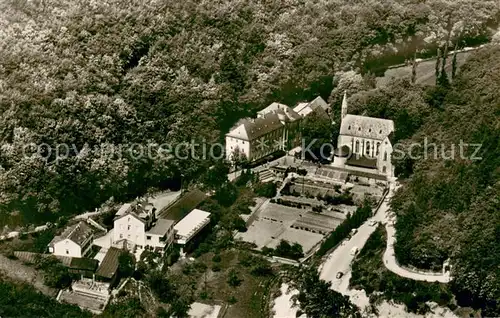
{"x": 391, "y": 263}
{"x": 340, "y": 259}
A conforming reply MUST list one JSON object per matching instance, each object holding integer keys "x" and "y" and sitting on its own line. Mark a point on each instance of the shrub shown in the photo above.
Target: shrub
{"x": 267, "y": 190}
{"x": 216, "y": 258}
{"x": 232, "y": 300}
{"x": 233, "y": 279}
{"x": 216, "y": 268}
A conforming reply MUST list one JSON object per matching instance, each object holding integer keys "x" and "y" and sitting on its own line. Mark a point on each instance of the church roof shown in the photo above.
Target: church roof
{"x": 343, "y": 151}
{"x": 362, "y": 161}
{"x": 366, "y": 127}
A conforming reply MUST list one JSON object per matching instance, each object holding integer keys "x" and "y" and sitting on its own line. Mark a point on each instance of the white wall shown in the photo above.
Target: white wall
{"x": 350, "y": 141}
{"x": 67, "y": 247}
{"x": 235, "y": 143}
{"x": 385, "y": 161}
{"x": 129, "y": 228}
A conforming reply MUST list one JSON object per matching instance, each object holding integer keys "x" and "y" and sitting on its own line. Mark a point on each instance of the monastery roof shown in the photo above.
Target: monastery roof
{"x": 272, "y": 107}
{"x": 161, "y": 228}
{"x": 366, "y": 127}
{"x": 317, "y": 104}
{"x": 77, "y": 233}
{"x": 252, "y": 129}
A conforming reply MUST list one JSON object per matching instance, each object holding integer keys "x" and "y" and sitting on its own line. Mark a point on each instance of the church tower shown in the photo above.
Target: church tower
{"x": 344, "y": 106}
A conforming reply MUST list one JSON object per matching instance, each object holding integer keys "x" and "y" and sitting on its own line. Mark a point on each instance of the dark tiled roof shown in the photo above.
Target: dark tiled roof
{"x": 263, "y": 125}
{"x": 109, "y": 265}
{"x": 77, "y": 233}
{"x": 343, "y": 151}
{"x": 161, "y": 227}
{"x": 83, "y": 263}
{"x": 318, "y": 102}
{"x": 366, "y": 127}
{"x": 362, "y": 161}
{"x": 183, "y": 205}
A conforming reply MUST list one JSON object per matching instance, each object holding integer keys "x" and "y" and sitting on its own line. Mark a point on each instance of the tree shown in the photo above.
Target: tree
{"x": 126, "y": 264}
{"x": 285, "y": 249}
{"x": 267, "y": 190}
{"x": 55, "y": 274}
{"x": 233, "y": 280}
{"x": 317, "y": 132}
{"x": 318, "y": 300}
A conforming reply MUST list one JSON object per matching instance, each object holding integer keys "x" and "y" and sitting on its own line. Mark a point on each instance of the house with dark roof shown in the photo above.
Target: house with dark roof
{"x": 277, "y": 127}
{"x": 75, "y": 241}
{"x": 364, "y": 144}
{"x": 108, "y": 268}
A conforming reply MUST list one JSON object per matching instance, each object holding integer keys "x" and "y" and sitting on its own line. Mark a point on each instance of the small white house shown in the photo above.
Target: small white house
{"x": 75, "y": 241}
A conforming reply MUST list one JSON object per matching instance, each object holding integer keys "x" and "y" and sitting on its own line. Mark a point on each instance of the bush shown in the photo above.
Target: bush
{"x": 216, "y": 258}
{"x": 262, "y": 269}
{"x": 233, "y": 279}
{"x": 342, "y": 231}
{"x": 232, "y": 300}
{"x": 267, "y": 190}
{"x": 216, "y": 268}
{"x": 284, "y": 249}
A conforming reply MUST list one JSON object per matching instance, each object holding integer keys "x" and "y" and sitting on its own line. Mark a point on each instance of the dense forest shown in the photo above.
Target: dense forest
{"x": 448, "y": 206}
{"x": 102, "y": 76}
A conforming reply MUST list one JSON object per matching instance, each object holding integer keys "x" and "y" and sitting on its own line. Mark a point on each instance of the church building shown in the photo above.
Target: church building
{"x": 364, "y": 143}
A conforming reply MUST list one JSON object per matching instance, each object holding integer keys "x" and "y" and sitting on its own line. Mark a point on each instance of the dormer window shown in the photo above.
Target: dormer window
{"x": 349, "y": 128}
{"x": 380, "y": 131}
{"x": 359, "y": 129}
{"x": 370, "y": 130}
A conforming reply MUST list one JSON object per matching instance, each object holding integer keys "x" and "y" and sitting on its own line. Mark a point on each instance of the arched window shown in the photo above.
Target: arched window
{"x": 357, "y": 146}
{"x": 385, "y": 156}
{"x": 384, "y": 169}
{"x": 367, "y": 148}
{"x": 378, "y": 148}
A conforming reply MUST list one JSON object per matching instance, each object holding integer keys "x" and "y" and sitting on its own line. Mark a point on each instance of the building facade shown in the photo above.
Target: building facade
{"x": 365, "y": 143}
{"x": 277, "y": 127}
{"x": 137, "y": 226}
{"x": 75, "y": 241}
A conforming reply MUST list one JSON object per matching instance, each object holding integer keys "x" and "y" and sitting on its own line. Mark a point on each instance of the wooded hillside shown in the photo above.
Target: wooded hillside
{"x": 99, "y": 74}
{"x": 450, "y": 206}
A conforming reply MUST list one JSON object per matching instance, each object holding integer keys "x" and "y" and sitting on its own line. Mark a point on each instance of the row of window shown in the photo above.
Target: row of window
{"x": 367, "y": 149}
{"x": 369, "y": 130}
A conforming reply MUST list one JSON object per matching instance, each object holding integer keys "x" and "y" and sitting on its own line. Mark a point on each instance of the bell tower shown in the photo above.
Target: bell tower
{"x": 344, "y": 106}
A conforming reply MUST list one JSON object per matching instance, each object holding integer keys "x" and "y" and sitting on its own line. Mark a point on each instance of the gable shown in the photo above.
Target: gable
{"x": 66, "y": 244}
{"x": 129, "y": 218}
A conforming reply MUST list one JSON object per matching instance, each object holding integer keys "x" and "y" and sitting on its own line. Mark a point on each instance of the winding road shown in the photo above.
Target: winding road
{"x": 340, "y": 259}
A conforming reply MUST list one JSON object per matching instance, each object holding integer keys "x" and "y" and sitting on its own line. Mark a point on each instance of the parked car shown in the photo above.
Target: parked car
{"x": 339, "y": 275}
{"x": 354, "y": 250}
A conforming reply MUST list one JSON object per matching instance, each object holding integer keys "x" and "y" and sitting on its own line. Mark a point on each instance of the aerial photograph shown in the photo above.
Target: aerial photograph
{"x": 249, "y": 158}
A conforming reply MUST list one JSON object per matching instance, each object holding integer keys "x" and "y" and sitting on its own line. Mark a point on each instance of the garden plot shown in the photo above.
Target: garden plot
{"x": 275, "y": 224}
